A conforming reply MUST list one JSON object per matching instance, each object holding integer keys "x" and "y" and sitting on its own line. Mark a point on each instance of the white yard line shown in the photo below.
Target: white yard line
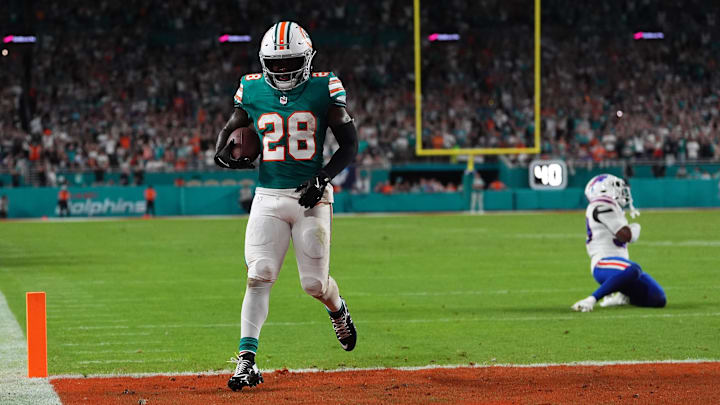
{"x": 59, "y": 309}
{"x": 134, "y": 344}
{"x": 677, "y": 243}
{"x": 15, "y": 387}
{"x": 123, "y": 361}
{"x": 112, "y": 334}
{"x": 581, "y": 236}
{"x": 576, "y": 235}
{"x": 70, "y": 321}
{"x": 348, "y": 215}
{"x": 569, "y": 317}
{"x": 142, "y": 351}
{"x": 93, "y": 327}
{"x": 413, "y": 368}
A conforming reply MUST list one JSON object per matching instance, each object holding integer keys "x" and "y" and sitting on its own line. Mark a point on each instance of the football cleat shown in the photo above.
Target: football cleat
{"x": 246, "y": 372}
{"x": 344, "y": 328}
{"x": 584, "y": 305}
{"x": 613, "y": 300}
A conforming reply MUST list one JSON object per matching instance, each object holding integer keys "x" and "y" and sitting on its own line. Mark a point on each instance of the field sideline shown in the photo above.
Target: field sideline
{"x": 164, "y": 295}
{"x": 659, "y": 382}
{"x": 132, "y": 297}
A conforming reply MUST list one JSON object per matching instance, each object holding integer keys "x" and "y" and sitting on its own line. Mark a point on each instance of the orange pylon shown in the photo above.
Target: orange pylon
{"x": 36, "y": 334}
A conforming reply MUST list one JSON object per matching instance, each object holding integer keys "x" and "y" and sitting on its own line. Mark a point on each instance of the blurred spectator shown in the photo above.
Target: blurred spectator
{"x": 362, "y": 184}
{"x": 497, "y": 185}
{"x": 150, "y": 196}
{"x": 696, "y": 174}
{"x": 245, "y": 195}
{"x": 693, "y": 149}
{"x": 63, "y": 202}
{"x": 146, "y": 88}
{"x": 476, "y": 195}
{"x": 384, "y": 187}
{"x": 4, "y": 206}
{"x": 124, "y": 178}
{"x": 659, "y": 169}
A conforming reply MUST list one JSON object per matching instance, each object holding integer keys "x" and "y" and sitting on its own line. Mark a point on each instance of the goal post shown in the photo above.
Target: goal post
{"x": 420, "y": 151}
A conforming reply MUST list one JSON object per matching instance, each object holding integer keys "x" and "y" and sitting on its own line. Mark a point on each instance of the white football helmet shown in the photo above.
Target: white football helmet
{"x": 286, "y": 55}
{"x": 613, "y": 187}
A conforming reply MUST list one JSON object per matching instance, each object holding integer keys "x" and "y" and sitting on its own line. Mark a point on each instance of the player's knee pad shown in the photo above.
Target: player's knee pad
{"x": 256, "y": 282}
{"x": 315, "y": 242}
{"x": 313, "y": 286}
{"x": 658, "y": 300}
{"x": 262, "y": 269}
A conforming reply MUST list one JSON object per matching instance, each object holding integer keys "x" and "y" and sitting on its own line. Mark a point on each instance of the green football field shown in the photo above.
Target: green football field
{"x": 165, "y": 295}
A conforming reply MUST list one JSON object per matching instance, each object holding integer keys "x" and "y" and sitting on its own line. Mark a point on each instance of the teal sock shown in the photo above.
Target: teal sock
{"x": 248, "y": 344}
{"x": 337, "y": 313}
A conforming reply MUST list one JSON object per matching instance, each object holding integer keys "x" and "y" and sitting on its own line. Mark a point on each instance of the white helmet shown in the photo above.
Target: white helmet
{"x": 615, "y": 188}
{"x": 286, "y": 54}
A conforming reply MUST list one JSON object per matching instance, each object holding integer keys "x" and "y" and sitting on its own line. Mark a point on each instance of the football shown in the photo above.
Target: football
{"x": 247, "y": 143}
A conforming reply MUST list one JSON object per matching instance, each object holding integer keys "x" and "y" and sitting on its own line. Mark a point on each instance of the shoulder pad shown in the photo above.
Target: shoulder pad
{"x": 337, "y": 92}
{"x": 245, "y": 80}
{"x": 252, "y": 76}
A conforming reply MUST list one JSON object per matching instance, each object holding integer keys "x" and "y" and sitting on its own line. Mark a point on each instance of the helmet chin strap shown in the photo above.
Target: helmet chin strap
{"x": 284, "y": 85}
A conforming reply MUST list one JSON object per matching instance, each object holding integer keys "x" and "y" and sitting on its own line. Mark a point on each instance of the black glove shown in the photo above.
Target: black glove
{"x": 313, "y": 189}
{"x": 224, "y": 159}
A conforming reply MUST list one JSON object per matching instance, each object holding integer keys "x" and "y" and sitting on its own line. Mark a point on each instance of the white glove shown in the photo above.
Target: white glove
{"x": 634, "y": 232}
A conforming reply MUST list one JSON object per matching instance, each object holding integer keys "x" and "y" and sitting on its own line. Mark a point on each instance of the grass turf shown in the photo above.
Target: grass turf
{"x": 165, "y": 295}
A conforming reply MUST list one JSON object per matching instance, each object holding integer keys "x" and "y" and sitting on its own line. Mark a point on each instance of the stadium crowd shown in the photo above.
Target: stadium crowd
{"x": 135, "y": 87}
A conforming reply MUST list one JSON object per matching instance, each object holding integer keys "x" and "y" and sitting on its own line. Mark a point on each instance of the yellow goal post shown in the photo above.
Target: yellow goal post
{"x": 420, "y": 151}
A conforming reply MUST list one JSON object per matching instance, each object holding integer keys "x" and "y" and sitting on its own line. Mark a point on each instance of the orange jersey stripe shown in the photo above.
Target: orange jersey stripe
{"x": 337, "y": 90}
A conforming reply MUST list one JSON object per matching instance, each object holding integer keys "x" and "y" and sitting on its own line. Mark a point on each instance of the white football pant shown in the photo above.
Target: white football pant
{"x": 274, "y": 220}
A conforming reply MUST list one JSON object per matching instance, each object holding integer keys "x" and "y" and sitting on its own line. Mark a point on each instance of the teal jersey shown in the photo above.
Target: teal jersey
{"x": 291, "y": 125}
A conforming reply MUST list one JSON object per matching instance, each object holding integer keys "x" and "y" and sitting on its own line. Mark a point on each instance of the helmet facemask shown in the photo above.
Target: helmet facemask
{"x": 622, "y": 192}
{"x": 607, "y": 185}
{"x": 624, "y": 198}
{"x": 284, "y": 73}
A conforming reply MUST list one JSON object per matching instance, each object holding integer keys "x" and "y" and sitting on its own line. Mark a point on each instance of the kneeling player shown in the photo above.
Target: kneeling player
{"x": 621, "y": 280}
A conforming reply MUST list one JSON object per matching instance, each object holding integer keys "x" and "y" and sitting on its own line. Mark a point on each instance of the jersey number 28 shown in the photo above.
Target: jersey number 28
{"x": 300, "y": 132}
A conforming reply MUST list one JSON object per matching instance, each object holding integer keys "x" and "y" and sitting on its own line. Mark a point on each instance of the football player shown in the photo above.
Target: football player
{"x": 621, "y": 280}
{"x": 291, "y": 108}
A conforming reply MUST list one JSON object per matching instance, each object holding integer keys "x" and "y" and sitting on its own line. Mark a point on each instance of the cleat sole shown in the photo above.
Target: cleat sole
{"x": 237, "y": 385}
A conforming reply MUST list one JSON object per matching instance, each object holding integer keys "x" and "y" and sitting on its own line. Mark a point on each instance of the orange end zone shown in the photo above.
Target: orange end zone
{"x": 658, "y": 383}
{"x": 36, "y": 334}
